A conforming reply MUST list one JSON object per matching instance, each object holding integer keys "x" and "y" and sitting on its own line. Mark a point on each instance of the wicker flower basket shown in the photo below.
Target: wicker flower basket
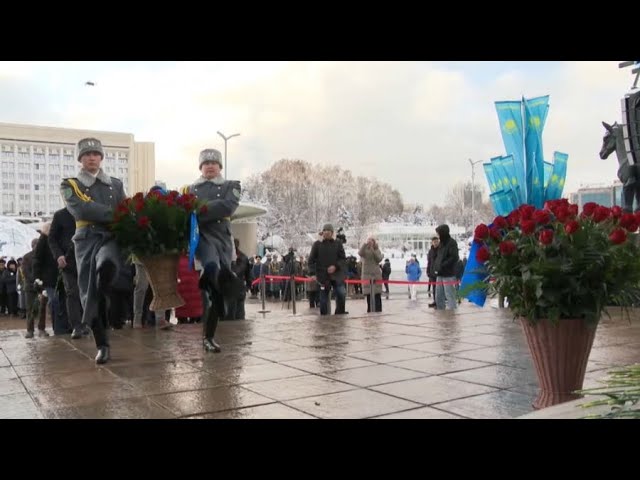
{"x": 162, "y": 272}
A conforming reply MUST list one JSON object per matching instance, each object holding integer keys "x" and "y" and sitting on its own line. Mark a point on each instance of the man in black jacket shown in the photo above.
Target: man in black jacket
{"x": 386, "y": 273}
{"x": 242, "y": 269}
{"x": 431, "y": 260}
{"x": 327, "y": 265}
{"x": 63, "y": 227}
{"x": 444, "y": 268}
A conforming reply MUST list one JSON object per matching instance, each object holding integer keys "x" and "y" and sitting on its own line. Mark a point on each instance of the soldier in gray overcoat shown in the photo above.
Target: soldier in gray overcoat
{"x": 91, "y": 197}
{"x": 215, "y": 249}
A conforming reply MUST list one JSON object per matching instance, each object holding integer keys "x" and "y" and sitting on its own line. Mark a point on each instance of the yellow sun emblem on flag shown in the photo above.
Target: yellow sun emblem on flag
{"x": 510, "y": 126}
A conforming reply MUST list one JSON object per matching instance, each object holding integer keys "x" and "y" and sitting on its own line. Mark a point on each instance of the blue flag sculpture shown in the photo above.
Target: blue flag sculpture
{"x": 521, "y": 176}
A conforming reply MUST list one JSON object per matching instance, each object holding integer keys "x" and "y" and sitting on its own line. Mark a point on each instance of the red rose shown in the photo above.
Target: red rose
{"x": 589, "y": 208}
{"x": 618, "y": 236}
{"x": 546, "y": 237}
{"x": 138, "y": 196}
{"x": 507, "y": 248}
{"x": 527, "y": 226}
{"x": 513, "y": 218}
{"x": 203, "y": 209}
{"x": 627, "y": 219}
{"x": 572, "y": 227}
{"x": 495, "y": 233}
{"x": 526, "y": 212}
{"x": 616, "y": 211}
{"x": 632, "y": 227}
{"x": 562, "y": 214}
{"x": 500, "y": 222}
{"x": 541, "y": 217}
{"x": 481, "y": 232}
{"x": 143, "y": 222}
{"x": 139, "y": 206}
{"x": 637, "y": 215}
{"x": 601, "y": 213}
{"x": 482, "y": 255}
{"x": 573, "y": 210}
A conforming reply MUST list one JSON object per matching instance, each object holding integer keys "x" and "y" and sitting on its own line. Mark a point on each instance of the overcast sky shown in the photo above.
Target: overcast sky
{"x": 411, "y": 124}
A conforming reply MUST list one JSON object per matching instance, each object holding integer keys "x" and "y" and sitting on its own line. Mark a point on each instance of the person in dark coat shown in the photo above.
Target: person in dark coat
{"x": 445, "y": 269}
{"x": 386, "y": 273}
{"x": 45, "y": 269}
{"x": 91, "y": 197}
{"x": 63, "y": 227}
{"x": 327, "y": 265}
{"x": 8, "y": 278}
{"x": 215, "y": 245}
{"x": 242, "y": 269}
{"x": 431, "y": 259}
{"x": 31, "y": 292}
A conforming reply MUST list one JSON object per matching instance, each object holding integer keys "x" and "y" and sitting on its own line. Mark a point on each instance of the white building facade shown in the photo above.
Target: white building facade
{"x": 34, "y": 160}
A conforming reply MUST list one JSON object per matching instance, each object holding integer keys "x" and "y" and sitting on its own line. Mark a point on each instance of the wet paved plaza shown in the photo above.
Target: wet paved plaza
{"x": 407, "y": 362}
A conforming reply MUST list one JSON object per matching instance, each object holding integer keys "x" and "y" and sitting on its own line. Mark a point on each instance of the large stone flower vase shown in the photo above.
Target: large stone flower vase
{"x": 560, "y": 354}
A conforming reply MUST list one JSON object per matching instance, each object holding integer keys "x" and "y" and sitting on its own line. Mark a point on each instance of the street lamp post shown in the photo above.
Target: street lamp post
{"x": 473, "y": 188}
{"x": 225, "y": 149}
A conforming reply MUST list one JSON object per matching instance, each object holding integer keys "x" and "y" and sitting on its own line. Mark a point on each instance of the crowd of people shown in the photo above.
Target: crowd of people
{"x": 76, "y": 271}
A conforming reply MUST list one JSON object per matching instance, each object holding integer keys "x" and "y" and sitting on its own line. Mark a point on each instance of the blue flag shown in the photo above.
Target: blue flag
{"x": 512, "y": 130}
{"x": 558, "y": 175}
{"x": 535, "y": 115}
{"x": 548, "y": 168}
{"x": 474, "y": 272}
{"x": 194, "y": 238}
{"x": 491, "y": 179}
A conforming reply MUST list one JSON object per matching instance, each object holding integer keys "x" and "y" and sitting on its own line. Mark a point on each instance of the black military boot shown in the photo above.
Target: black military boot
{"x": 211, "y": 324}
{"x": 103, "y": 355}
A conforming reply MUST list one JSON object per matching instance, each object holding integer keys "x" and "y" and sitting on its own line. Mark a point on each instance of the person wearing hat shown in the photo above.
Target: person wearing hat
{"x": 444, "y": 267}
{"x": 91, "y": 197}
{"x": 327, "y": 265}
{"x": 215, "y": 249}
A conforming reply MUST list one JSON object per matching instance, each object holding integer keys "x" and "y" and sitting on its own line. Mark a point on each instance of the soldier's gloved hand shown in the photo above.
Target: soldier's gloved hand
{"x": 44, "y": 294}
{"x": 38, "y": 283}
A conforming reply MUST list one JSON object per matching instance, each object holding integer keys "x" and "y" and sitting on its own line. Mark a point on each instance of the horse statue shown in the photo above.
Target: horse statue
{"x": 628, "y": 172}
